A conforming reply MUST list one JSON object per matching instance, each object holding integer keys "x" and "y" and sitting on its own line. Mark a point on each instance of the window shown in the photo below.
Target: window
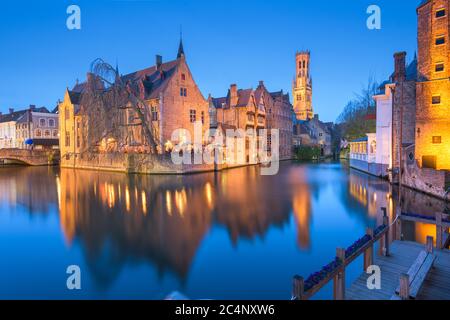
{"x": 203, "y": 116}
{"x": 192, "y": 115}
{"x": 440, "y": 40}
{"x": 42, "y": 122}
{"x": 51, "y": 123}
{"x": 436, "y": 99}
{"x": 183, "y": 77}
{"x": 47, "y": 133}
{"x": 67, "y": 139}
{"x": 38, "y": 133}
{"x": 440, "y": 13}
{"x": 437, "y": 139}
{"x": 154, "y": 114}
{"x": 55, "y": 133}
{"x": 78, "y": 141}
{"x": 439, "y": 67}
{"x": 183, "y": 92}
{"x": 66, "y": 113}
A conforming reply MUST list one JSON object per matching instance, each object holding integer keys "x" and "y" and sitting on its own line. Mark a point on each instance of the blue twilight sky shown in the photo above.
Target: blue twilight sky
{"x": 226, "y": 41}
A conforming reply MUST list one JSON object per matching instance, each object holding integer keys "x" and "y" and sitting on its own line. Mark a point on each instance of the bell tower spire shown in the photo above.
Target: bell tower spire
{"x": 302, "y": 87}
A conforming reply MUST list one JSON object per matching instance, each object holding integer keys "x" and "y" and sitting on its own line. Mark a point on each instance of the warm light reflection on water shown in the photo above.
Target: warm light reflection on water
{"x": 207, "y": 235}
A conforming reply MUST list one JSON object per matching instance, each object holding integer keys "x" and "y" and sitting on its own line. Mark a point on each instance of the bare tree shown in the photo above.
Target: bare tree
{"x": 111, "y": 107}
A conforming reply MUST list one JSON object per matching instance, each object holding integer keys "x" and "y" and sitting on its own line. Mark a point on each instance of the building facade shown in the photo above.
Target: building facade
{"x": 38, "y": 128}
{"x": 172, "y": 100}
{"x": 302, "y": 87}
{"x": 243, "y": 109}
{"x": 432, "y": 134}
{"x": 280, "y": 117}
{"x": 8, "y": 128}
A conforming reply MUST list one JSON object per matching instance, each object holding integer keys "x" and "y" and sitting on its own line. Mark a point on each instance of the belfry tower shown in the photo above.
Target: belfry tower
{"x": 302, "y": 87}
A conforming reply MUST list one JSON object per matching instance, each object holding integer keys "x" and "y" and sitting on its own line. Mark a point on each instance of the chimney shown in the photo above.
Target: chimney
{"x": 32, "y": 107}
{"x": 400, "y": 66}
{"x": 233, "y": 95}
{"x": 11, "y": 110}
{"x": 158, "y": 62}
{"x": 261, "y": 83}
{"x": 1, "y": 113}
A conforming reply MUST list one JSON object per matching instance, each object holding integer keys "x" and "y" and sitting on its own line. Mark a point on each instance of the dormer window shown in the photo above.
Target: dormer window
{"x": 183, "y": 77}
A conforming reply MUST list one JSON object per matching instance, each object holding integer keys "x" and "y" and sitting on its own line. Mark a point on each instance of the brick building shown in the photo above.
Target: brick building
{"x": 433, "y": 85}
{"x": 280, "y": 117}
{"x": 171, "y": 95}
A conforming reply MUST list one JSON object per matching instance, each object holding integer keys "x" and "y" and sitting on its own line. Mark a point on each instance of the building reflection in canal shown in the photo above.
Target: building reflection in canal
{"x": 167, "y": 221}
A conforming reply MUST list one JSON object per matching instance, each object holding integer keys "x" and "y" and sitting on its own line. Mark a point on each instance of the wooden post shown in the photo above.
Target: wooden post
{"x": 430, "y": 244}
{"x": 404, "y": 286}
{"x": 339, "y": 279}
{"x": 386, "y": 235}
{"x": 439, "y": 231}
{"x": 368, "y": 253}
{"x": 298, "y": 288}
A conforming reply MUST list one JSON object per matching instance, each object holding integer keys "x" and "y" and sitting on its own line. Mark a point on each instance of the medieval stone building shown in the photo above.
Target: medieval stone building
{"x": 173, "y": 101}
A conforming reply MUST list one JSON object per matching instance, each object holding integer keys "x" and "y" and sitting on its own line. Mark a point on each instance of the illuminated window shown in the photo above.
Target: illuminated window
{"x": 47, "y": 133}
{"x": 436, "y": 99}
{"x": 203, "y": 116}
{"x": 437, "y": 139}
{"x": 439, "y": 67}
{"x": 440, "y": 40}
{"x": 192, "y": 115}
{"x": 440, "y": 13}
{"x": 55, "y": 133}
{"x": 38, "y": 133}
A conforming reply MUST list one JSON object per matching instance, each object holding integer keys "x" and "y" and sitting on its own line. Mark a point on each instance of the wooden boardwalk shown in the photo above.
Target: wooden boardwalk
{"x": 402, "y": 256}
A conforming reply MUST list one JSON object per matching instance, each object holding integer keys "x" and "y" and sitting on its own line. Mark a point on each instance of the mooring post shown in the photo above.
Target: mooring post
{"x": 339, "y": 279}
{"x": 439, "y": 231}
{"x": 298, "y": 288}
{"x": 404, "y": 286}
{"x": 368, "y": 253}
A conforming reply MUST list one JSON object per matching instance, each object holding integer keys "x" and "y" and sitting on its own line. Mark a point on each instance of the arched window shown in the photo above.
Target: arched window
{"x": 51, "y": 123}
{"x": 47, "y": 133}
{"x": 55, "y": 133}
{"x": 42, "y": 122}
{"x": 38, "y": 133}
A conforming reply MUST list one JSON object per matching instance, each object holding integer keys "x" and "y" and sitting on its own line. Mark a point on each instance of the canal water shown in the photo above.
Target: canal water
{"x": 229, "y": 235}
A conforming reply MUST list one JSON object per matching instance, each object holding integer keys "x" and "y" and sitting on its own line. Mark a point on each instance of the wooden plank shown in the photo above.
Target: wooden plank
{"x": 414, "y": 268}
{"x": 418, "y": 281}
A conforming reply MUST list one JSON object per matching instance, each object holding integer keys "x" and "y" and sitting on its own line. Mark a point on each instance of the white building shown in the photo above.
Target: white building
{"x": 8, "y": 128}
{"x": 384, "y": 129}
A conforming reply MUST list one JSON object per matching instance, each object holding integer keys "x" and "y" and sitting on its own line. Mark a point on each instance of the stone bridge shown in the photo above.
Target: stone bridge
{"x": 30, "y": 157}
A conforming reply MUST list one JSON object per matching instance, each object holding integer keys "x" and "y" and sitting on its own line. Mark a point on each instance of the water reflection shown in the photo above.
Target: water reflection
{"x": 166, "y": 221}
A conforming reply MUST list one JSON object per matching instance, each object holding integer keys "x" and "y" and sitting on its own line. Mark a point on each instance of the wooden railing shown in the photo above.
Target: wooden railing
{"x": 335, "y": 270}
